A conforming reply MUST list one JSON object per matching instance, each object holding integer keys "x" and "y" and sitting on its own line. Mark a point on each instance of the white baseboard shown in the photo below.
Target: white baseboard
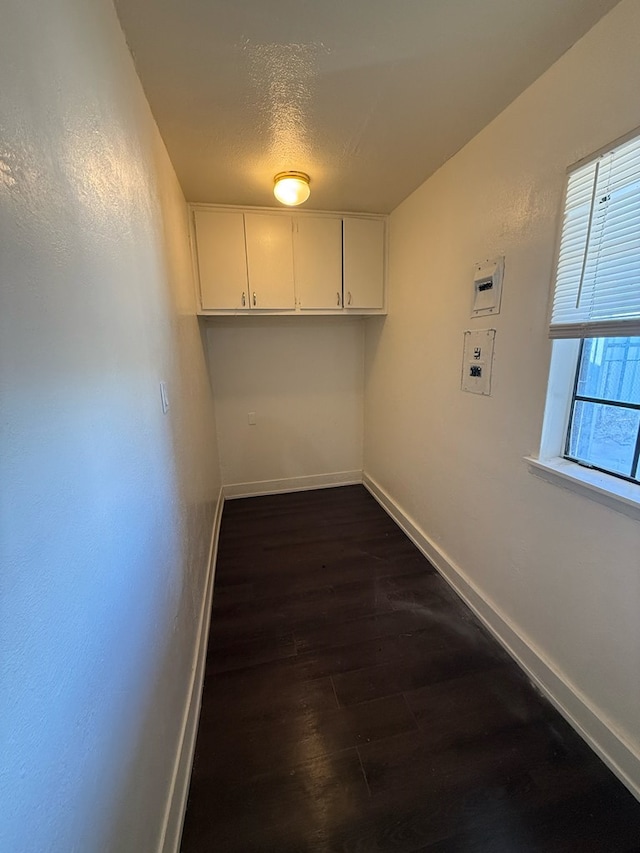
{"x": 179, "y": 789}
{"x": 574, "y": 706}
{"x": 292, "y": 484}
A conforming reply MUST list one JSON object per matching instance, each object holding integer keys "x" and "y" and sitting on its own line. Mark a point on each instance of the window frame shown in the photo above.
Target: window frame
{"x": 604, "y": 401}
{"x": 550, "y": 464}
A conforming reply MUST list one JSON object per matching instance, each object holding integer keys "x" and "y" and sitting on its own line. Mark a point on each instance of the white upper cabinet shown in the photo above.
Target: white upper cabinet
{"x": 317, "y": 257}
{"x": 270, "y": 260}
{"x": 222, "y": 260}
{"x": 363, "y": 263}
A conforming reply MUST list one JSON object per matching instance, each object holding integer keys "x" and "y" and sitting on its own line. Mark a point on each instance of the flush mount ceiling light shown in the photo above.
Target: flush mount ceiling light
{"x": 291, "y": 188}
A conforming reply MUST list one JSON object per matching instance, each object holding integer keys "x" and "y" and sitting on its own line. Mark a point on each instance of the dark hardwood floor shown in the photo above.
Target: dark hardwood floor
{"x": 352, "y": 703}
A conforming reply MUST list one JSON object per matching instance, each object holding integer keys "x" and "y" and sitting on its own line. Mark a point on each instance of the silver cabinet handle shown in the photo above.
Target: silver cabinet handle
{"x": 255, "y": 301}
{"x": 244, "y": 299}
{"x": 348, "y": 297}
{"x": 338, "y": 295}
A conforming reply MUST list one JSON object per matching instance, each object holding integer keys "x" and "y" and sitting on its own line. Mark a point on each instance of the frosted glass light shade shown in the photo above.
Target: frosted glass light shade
{"x": 291, "y": 188}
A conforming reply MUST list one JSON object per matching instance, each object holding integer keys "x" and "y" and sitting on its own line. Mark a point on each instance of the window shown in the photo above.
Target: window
{"x": 604, "y": 424}
{"x": 593, "y": 402}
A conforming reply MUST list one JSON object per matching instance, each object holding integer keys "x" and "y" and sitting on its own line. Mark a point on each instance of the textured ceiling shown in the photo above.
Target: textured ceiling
{"x": 369, "y": 97}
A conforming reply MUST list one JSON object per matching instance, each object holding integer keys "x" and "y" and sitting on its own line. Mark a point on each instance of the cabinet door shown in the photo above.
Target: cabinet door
{"x": 222, "y": 259}
{"x": 363, "y": 263}
{"x": 317, "y": 258}
{"x": 270, "y": 260}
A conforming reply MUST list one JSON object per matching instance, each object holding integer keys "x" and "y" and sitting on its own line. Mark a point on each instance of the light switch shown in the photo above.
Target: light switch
{"x": 251, "y": 417}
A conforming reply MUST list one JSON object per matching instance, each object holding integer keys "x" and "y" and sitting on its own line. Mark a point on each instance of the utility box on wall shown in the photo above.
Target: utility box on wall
{"x": 477, "y": 361}
{"x": 487, "y": 287}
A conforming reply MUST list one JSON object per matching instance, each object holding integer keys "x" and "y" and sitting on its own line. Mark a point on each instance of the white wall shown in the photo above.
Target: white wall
{"x": 107, "y": 504}
{"x": 303, "y": 377}
{"x": 564, "y": 570}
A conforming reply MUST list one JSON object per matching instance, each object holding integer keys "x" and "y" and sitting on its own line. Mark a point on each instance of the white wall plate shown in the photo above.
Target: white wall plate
{"x": 477, "y": 361}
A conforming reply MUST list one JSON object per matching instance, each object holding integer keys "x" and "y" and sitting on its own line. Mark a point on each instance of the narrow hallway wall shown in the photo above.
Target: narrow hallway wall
{"x": 556, "y": 568}
{"x": 107, "y": 503}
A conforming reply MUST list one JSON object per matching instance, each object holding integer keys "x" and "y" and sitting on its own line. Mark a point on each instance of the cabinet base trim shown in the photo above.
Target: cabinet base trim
{"x": 291, "y": 484}
{"x": 354, "y": 313}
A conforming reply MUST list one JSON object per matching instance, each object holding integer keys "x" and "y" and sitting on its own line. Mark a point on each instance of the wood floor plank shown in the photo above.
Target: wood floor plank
{"x": 407, "y": 675}
{"x": 228, "y": 654}
{"x": 268, "y": 695}
{"x": 317, "y": 794}
{"x": 502, "y": 699}
{"x": 238, "y": 753}
{"x": 353, "y": 704}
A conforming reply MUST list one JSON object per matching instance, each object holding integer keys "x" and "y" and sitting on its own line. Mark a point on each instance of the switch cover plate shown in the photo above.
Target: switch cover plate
{"x": 477, "y": 361}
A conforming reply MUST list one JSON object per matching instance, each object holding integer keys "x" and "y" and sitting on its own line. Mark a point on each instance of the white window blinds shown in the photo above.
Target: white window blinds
{"x": 597, "y": 291}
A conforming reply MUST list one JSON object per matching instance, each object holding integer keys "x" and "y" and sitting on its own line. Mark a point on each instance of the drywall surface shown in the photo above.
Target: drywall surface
{"x": 107, "y": 503}
{"x": 303, "y": 379}
{"x": 564, "y": 569}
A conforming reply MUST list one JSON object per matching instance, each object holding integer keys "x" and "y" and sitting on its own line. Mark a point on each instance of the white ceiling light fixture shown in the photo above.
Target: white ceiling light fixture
{"x": 291, "y": 188}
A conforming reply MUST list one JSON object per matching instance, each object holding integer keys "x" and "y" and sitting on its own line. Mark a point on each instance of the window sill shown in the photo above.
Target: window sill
{"x": 612, "y": 492}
